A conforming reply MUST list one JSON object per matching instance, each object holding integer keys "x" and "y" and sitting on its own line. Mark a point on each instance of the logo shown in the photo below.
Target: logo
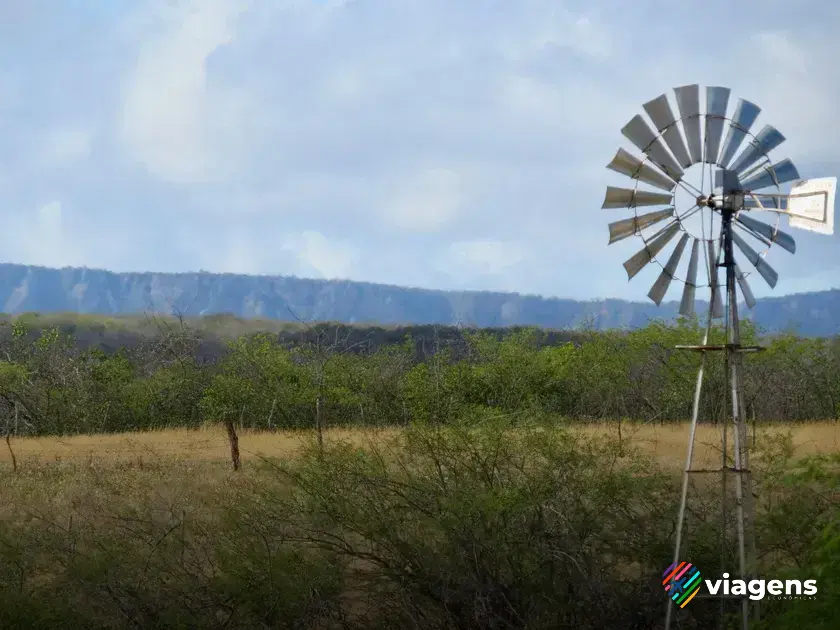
{"x": 682, "y": 582}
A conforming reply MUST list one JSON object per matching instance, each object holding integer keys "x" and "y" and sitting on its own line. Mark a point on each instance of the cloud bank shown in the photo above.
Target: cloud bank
{"x": 437, "y": 144}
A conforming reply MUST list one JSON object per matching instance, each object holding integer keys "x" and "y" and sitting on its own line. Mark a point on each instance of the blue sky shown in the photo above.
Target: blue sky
{"x": 435, "y": 143}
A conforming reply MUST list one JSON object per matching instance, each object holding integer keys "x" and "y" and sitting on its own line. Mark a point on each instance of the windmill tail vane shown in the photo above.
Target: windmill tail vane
{"x": 694, "y": 196}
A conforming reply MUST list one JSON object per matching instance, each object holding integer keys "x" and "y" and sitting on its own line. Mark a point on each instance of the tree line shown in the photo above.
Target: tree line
{"x": 332, "y": 376}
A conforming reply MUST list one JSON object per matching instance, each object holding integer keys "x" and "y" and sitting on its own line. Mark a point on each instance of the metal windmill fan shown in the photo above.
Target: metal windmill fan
{"x": 711, "y": 213}
{"x": 666, "y": 156}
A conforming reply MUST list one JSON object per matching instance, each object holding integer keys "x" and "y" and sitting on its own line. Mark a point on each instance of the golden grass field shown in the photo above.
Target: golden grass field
{"x": 666, "y": 443}
{"x": 133, "y": 488}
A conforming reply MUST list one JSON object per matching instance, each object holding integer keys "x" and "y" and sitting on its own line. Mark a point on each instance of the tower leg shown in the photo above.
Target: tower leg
{"x": 695, "y": 412}
{"x": 738, "y": 419}
{"x": 749, "y": 501}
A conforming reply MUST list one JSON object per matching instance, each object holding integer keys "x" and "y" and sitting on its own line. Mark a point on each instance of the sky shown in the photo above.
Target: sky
{"x": 433, "y": 143}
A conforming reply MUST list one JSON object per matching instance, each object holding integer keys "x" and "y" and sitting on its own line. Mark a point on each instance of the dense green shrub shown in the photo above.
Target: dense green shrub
{"x": 49, "y": 385}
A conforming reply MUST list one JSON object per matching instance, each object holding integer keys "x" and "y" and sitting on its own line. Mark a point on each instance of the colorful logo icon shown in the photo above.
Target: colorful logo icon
{"x": 682, "y": 582}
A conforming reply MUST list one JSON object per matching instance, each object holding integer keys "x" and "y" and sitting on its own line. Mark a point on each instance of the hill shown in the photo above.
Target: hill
{"x": 25, "y": 288}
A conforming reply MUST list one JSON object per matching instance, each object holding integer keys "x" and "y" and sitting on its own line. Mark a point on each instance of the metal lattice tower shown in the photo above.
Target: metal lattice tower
{"x": 714, "y": 218}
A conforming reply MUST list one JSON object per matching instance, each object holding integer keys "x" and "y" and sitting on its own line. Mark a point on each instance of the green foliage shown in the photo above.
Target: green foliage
{"x": 153, "y": 563}
{"x": 19, "y": 329}
{"x": 487, "y": 523}
{"x": 512, "y": 374}
{"x": 805, "y": 505}
{"x": 53, "y": 386}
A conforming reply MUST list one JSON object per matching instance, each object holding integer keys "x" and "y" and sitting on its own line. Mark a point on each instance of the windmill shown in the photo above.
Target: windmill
{"x": 712, "y": 219}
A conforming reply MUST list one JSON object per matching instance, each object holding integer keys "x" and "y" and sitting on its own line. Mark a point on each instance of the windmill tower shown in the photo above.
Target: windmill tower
{"x": 713, "y": 215}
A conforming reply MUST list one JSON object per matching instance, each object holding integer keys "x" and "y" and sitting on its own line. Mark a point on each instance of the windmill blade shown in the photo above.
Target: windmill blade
{"x": 775, "y": 175}
{"x": 765, "y": 141}
{"x": 660, "y": 287}
{"x": 660, "y": 113}
{"x": 717, "y": 301}
{"x": 688, "y": 101}
{"x": 635, "y": 264}
{"x": 742, "y": 121}
{"x": 762, "y": 266}
{"x": 640, "y": 134}
{"x": 755, "y": 169}
{"x": 745, "y": 287}
{"x": 687, "y": 302}
{"x": 629, "y": 198}
{"x": 717, "y": 99}
{"x": 628, "y": 164}
{"x": 782, "y": 239}
{"x": 755, "y": 235}
{"x": 634, "y": 225}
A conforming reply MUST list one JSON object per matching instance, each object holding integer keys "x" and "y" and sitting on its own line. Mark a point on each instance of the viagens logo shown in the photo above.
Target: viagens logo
{"x": 682, "y": 582}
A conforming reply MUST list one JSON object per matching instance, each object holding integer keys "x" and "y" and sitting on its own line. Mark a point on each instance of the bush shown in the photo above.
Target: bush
{"x": 108, "y": 561}
{"x": 484, "y": 522}
{"x": 807, "y": 509}
{"x": 487, "y": 525}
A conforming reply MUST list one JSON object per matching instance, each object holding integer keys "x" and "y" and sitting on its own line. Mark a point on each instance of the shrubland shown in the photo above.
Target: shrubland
{"x": 480, "y": 483}
{"x": 333, "y": 376}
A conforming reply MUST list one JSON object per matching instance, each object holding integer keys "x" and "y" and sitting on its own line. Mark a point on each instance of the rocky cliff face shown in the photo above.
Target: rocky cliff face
{"x": 26, "y": 288}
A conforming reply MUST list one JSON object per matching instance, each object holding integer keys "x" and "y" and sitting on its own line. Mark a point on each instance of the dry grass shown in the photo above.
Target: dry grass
{"x": 667, "y": 443}
{"x": 209, "y": 446}
{"x": 133, "y": 488}
{"x": 197, "y": 445}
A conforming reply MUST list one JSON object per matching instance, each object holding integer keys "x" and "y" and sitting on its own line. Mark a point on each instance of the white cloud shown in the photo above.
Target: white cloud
{"x": 428, "y": 201}
{"x": 488, "y": 255}
{"x": 328, "y": 259}
{"x": 171, "y": 113}
{"x": 39, "y": 237}
{"x": 776, "y": 48}
{"x": 795, "y": 79}
{"x": 547, "y": 26}
{"x": 64, "y": 147}
{"x": 478, "y": 261}
{"x": 57, "y": 234}
{"x": 49, "y": 220}
{"x": 575, "y": 107}
{"x": 238, "y": 255}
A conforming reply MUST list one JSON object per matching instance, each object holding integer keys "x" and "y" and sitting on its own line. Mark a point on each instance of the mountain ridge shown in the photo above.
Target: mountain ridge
{"x": 28, "y": 288}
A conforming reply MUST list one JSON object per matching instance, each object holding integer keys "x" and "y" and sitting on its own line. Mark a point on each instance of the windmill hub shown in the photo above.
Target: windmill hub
{"x": 709, "y": 201}
{"x": 721, "y": 202}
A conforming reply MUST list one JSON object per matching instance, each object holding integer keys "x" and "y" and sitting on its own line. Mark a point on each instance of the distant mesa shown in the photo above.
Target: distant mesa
{"x": 25, "y": 288}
